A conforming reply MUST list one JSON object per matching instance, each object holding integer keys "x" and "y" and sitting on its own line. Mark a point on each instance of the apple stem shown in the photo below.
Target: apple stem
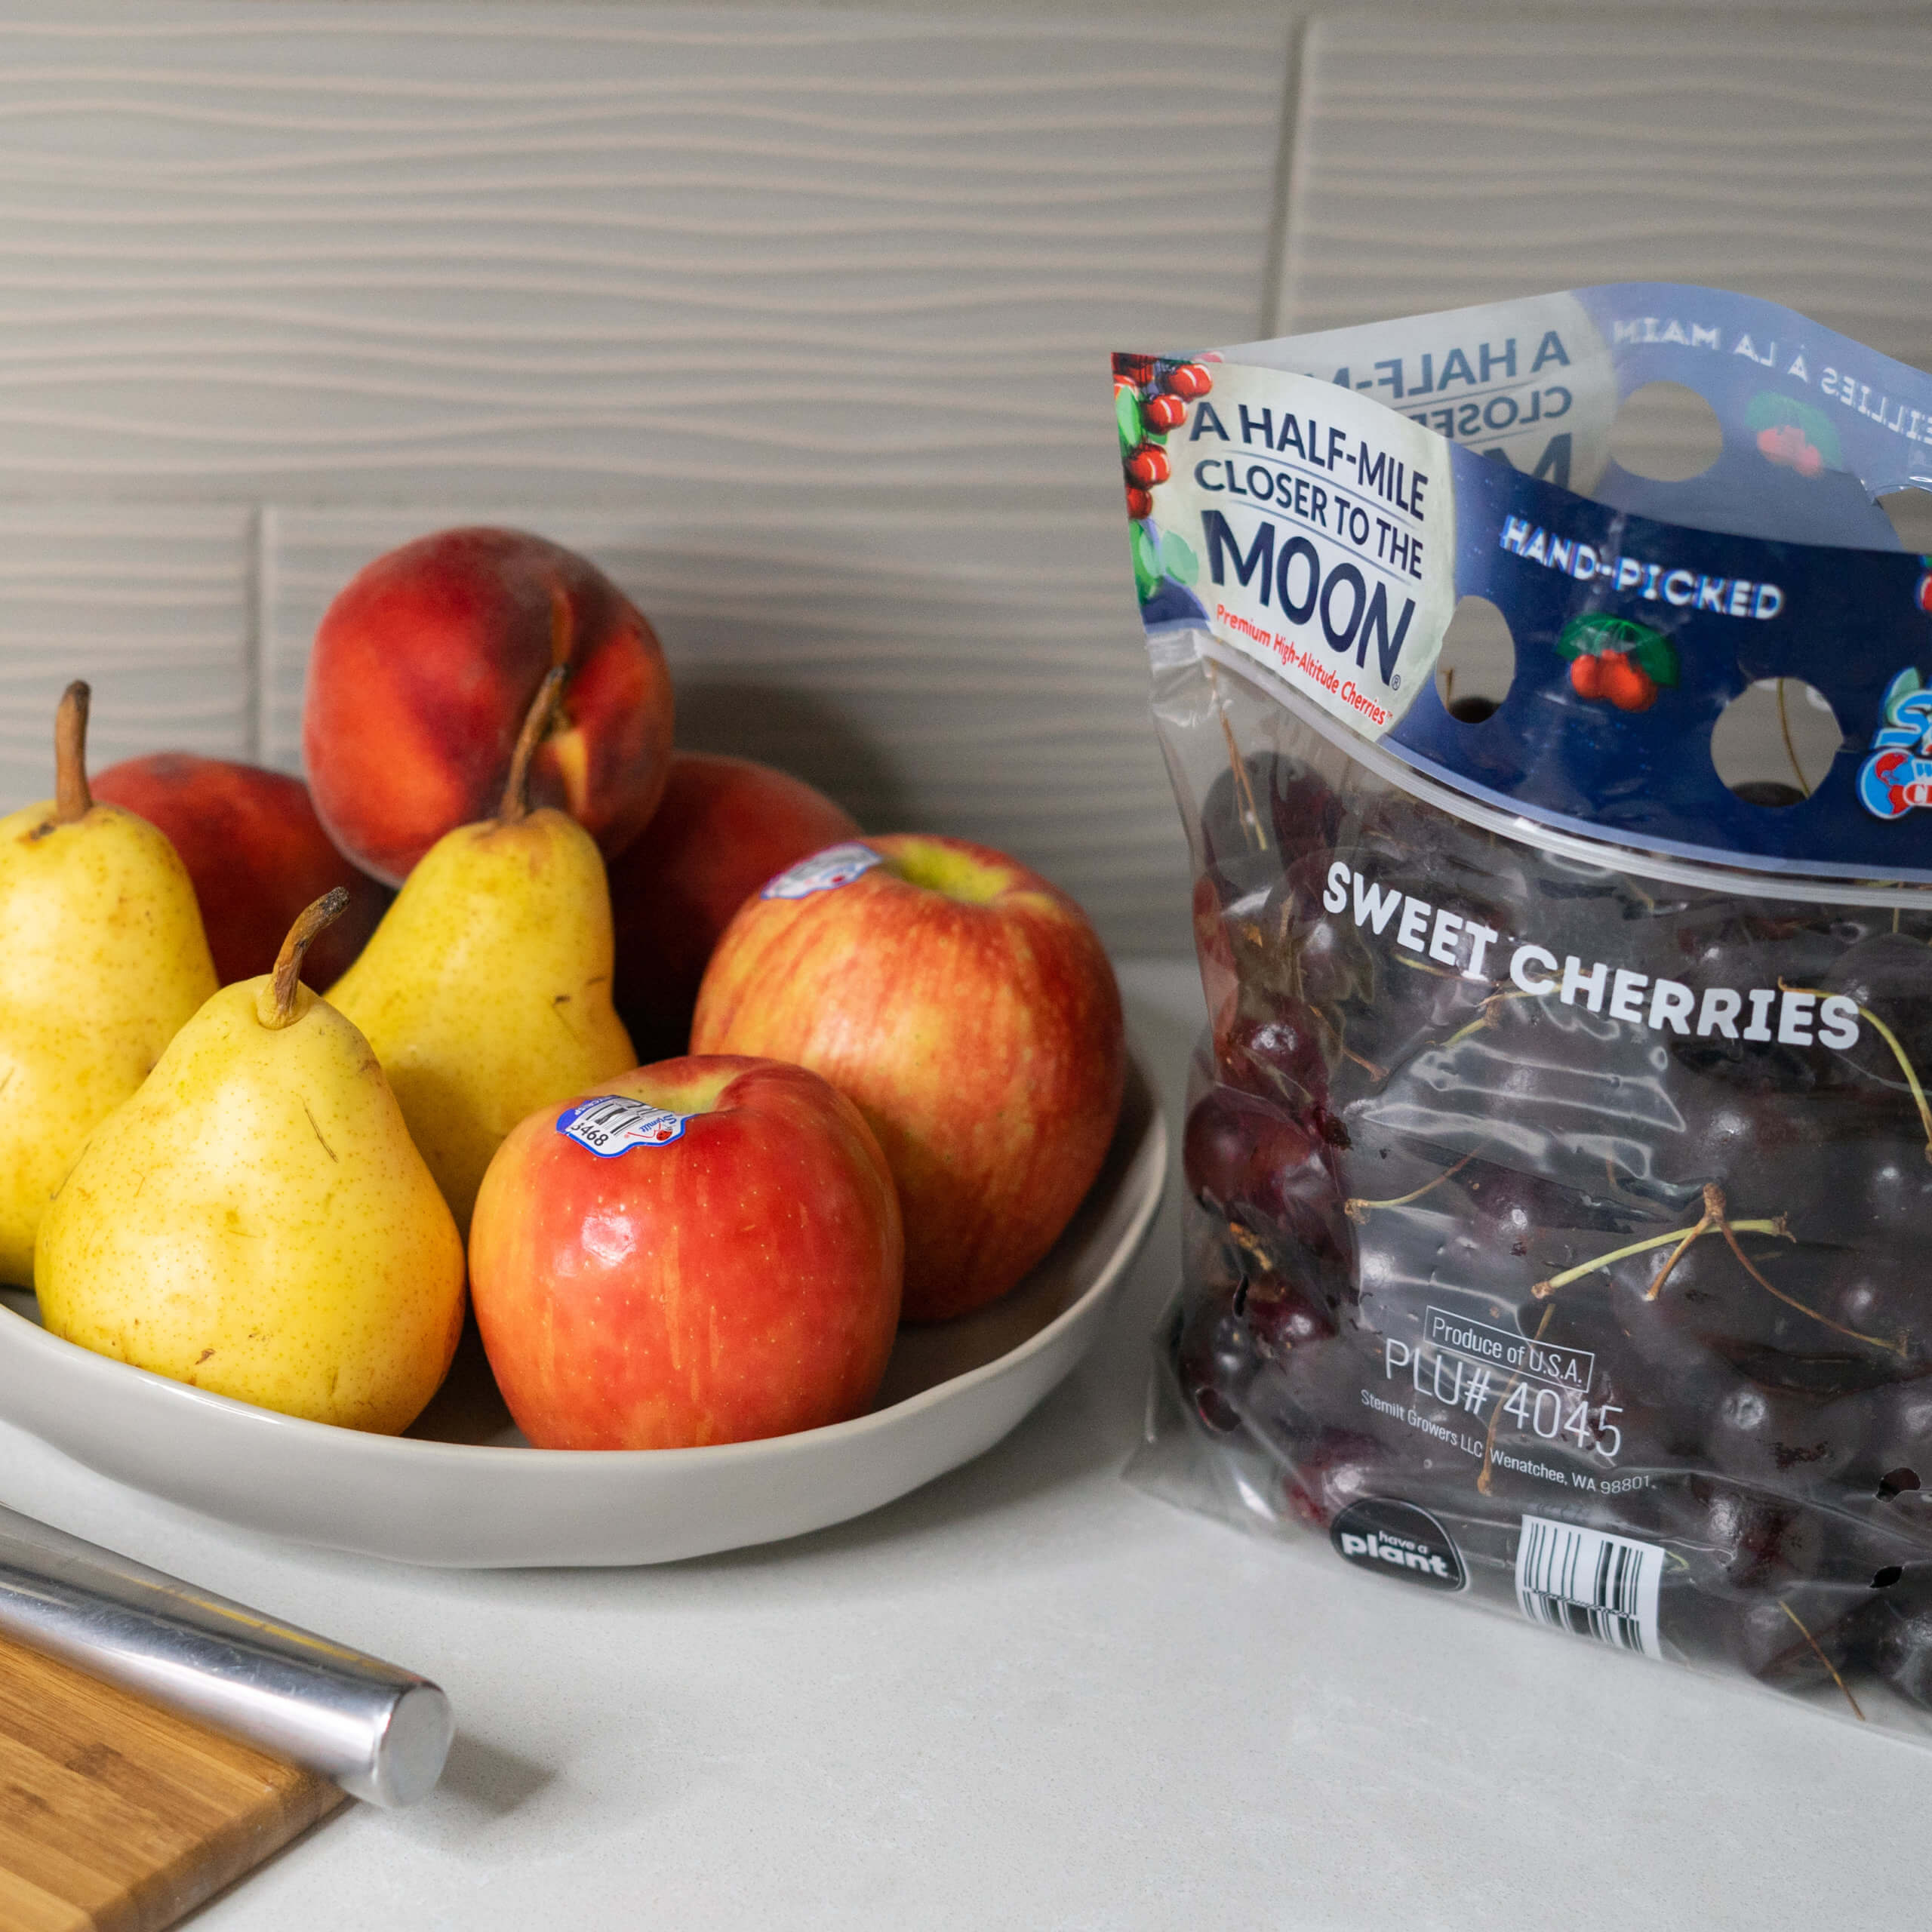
{"x": 1822, "y": 1658}
{"x": 1898, "y": 1053}
{"x": 73, "y": 800}
{"x": 275, "y": 1004}
{"x": 536, "y": 722}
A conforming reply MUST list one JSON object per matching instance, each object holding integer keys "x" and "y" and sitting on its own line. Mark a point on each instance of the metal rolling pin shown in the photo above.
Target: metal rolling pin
{"x": 381, "y": 1733}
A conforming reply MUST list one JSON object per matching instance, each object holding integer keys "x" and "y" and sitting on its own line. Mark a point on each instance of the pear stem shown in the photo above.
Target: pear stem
{"x": 536, "y": 722}
{"x": 275, "y": 1004}
{"x": 73, "y": 800}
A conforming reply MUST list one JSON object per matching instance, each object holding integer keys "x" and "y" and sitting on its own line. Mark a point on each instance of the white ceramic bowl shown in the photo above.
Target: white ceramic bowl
{"x": 463, "y": 1490}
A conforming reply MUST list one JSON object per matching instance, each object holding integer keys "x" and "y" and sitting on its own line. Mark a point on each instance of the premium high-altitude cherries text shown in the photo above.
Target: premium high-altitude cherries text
{"x": 1791, "y": 1015}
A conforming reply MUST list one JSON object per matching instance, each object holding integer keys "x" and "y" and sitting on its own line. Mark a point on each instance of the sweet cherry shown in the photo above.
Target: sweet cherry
{"x": 1901, "y": 1637}
{"x": 1277, "y": 1052}
{"x": 1341, "y": 1469}
{"x": 1776, "y": 1439}
{"x": 1261, "y": 1167}
{"x": 1214, "y": 1359}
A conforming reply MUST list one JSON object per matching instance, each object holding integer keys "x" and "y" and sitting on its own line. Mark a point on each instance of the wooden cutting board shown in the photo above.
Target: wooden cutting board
{"x": 116, "y": 1813}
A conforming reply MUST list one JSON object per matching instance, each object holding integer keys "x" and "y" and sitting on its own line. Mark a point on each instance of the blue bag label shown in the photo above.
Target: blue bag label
{"x": 1310, "y": 512}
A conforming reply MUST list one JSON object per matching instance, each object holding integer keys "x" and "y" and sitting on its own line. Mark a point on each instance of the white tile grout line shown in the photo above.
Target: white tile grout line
{"x": 1275, "y": 255}
{"x": 262, "y": 544}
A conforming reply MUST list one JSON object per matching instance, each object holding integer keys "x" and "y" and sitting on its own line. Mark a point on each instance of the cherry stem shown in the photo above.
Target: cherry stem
{"x": 1822, "y": 1658}
{"x": 275, "y": 1004}
{"x": 1677, "y": 1254}
{"x": 536, "y": 722}
{"x": 1683, "y": 1237}
{"x": 1251, "y": 814}
{"x": 1342, "y": 1046}
{"x": 1496, "y": 1415}
{"x": 1790, "y": 750}
{"x": 73, "y": 800}
{"x": 1715, "y": 1220}
{"x": 1896, "y": 1347}
{"x": 1898, "y": 1053}
{"x": 1357, "y": 1209}
{"x": 1486, "y": 1017}
{"x": 1713, "y": 1217}
{"x": 1246, "y": 1240}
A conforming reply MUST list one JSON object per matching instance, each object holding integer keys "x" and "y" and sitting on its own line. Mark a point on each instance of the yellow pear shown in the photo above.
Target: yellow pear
{"x": 102, "y": 959}
{"x": 486, "y": 990}
{"x": 256, "y": 1221}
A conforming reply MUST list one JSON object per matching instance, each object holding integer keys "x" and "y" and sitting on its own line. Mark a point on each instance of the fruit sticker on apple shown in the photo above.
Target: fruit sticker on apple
{"x": 837, "y": 865}
{"x": 610, "y": 1125}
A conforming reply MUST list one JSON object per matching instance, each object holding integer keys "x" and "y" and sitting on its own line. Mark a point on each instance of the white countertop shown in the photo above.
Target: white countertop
{"x": 1030, "y": 1695}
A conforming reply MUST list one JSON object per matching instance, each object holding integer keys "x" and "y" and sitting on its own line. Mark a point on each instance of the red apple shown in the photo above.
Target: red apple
{"x": 969, "y": 1008}
{"x": 724, "y": 827}
{"x": 424, "y": 668}
{"x": 705, "y": 1250}
{"x": 257, "y": 855}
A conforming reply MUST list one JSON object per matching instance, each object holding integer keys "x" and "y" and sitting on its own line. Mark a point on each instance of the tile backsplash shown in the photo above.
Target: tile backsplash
{"x": 797, "y": 322}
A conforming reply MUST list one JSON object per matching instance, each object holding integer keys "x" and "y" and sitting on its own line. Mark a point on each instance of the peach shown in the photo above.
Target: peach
{"x": 724, "y": 827}
{"x": 257, "y": 855}
{"x": 424, "y": 668}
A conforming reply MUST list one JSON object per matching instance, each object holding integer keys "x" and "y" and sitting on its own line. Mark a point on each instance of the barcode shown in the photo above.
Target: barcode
{"x": 1590, "y": 1582}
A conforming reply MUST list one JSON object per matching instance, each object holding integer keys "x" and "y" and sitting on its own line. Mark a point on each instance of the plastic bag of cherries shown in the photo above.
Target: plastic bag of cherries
{"x": 1559, "y": 1152}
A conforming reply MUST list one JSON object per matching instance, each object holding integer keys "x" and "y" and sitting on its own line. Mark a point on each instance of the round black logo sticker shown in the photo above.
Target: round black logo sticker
{"x": 1398, "y": 1540}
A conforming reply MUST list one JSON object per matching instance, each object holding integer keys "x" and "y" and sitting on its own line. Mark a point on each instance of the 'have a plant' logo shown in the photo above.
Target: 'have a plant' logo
{"x": 1616, "y": 661}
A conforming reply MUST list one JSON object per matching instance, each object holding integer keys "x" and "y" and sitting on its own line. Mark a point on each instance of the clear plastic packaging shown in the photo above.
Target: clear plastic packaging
{"x": 1558, "y": 1157}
